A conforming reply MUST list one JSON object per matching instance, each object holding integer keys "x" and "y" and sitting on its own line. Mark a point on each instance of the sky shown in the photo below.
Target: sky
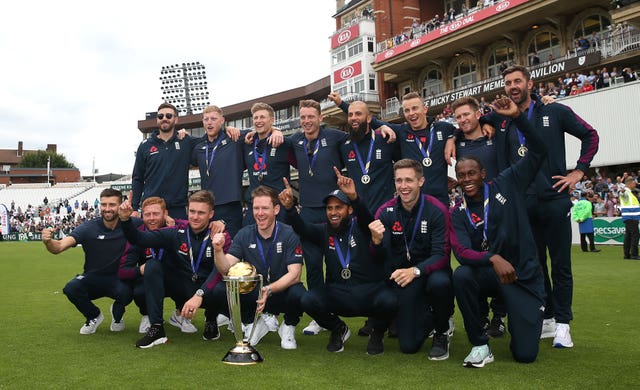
{"x": 80, "y": 74}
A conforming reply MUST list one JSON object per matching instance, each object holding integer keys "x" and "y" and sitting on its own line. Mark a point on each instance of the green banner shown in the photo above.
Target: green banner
{"x": 608, "y": 230}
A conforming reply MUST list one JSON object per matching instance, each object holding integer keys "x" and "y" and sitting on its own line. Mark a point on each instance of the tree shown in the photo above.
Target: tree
{"x": 39, "y": 159}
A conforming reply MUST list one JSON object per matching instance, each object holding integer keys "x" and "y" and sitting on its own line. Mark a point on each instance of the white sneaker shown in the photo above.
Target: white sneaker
{"x": 313, "y": 328}
{"x": 144, "y": 324}
{"x": 548, "y": 328}
{"x": 260, "y": 331}
{"x": 562, "y": 338}
{"x": 184, "y": 324}
{"x": 287, "y": 336}
{"x": 116, "y": 326}
{"x": 91, "y": 326}
{"x": 478, "y": 357}
{"x": 271, "y": 321}
{"x": 222, "y": 320}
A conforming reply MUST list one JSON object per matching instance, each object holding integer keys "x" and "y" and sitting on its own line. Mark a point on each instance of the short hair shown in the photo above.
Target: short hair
{"x": 262, "y": 106}
{"x": 466, "y": 101}
{"x": 408, "y": 163}
{"x": 309, "y": 103}
{"x": 212, "y": 108}
{"x": 109, "y": 192}
{"x": 168, "y": 105}
{"x": 265, "y": 191}
{"x": 470, "y": 158}
{"x": 203, "y": 196}
{"x": 154, "y": 200}
{"x": 411, "y": 95}
{"x": 517, "y": 68}
{"x": 629, "y": 179}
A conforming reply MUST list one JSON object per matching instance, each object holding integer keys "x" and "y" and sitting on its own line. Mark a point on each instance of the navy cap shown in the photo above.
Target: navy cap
{"x": 338, "y": 195}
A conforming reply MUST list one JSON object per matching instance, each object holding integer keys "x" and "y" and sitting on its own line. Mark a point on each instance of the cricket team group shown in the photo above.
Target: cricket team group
{"x": 371, "y": 221}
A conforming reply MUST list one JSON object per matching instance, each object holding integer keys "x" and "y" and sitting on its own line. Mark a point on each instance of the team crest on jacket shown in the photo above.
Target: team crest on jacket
{"x": 332, "y": 244}
{"x": 147, "y": 252}
{"x": 298, "y": 251}
{"x": 153, "y": 149}
{"x": 183, "y": 248}
{"x": 352, "y": 155}
{"x": 396, "y": 228}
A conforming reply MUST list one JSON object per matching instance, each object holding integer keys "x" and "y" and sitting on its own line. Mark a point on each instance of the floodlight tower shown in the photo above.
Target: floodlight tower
{"x": 185, "y": 86}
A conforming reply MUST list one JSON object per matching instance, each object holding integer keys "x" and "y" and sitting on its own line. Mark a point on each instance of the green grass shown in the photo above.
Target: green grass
{"x": 41, "y": 346}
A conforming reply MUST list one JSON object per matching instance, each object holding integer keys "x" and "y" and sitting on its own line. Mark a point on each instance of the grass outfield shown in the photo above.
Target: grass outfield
{"x": 41, "y": 346}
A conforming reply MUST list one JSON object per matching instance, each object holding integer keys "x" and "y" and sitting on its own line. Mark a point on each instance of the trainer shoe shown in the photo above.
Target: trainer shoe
{"x": 376, "y": 343}
{"x": 154, "y": 336}
{"x": 211, "y": 331}
{"x": 184, "y": 324}
{"x": 91, "y": 326}
{"x": 271, "y": 321}
{"x": 287, "y": 336}
{"x": 144, "y": 324}
{"x": 338, "y": 336}
{"x": 365, "y": 330}
{"x": 312, "y": 329}
{"x": 496, "y": 328}
{"x": 223, "y": 320}
{"x": 478, "y": 357}
{"x": 259, "y": 332}
{"x": 439, "y": 347}
{"x": 562, "y": 338}
{"x": 548, "y": 328}
{"x": 116, "y": 326}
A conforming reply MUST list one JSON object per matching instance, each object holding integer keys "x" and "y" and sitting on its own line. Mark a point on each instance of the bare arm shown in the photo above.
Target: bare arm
{"x": 56, "y": 246}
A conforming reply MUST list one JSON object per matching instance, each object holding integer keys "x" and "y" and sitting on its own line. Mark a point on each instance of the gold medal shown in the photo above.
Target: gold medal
{"x": 522, "y": 150}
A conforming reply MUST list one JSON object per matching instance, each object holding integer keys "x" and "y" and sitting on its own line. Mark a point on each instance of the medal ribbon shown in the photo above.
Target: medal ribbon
{"x": 256, "y": 156}
{"x": 160, "y": 253}
{"x": 266, "y": 260}
{"x": 195, "y": 267}
{"x": 421, "y": 147}
{"x": 485, "y": 212}
{"x": 415, "y": 228}
{"x": 312, "y": 160}
{"x": 208, "y": 160}
{"x": 365, "y": 166}
{"x": 521, "y": 137}
{"x": 344, "y": 261}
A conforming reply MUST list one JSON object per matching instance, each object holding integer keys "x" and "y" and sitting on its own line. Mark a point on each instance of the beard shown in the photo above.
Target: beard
{"x": 344, "y": 224}
{"x": 356, "y": 135}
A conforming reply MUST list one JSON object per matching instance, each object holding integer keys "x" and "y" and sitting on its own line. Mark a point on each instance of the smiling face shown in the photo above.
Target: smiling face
{"x": 109, "y": 208}
{"x": 468, "y": 121}
{"x": 310, "y": 120}
{"x": 358, "y": 119}
{"x": 262, "y": 123}
{"x": 470, "y": 176}
{"x": 517, "y": 87}
{"x": 264, "y": 213}
{"x": 200, "y": 214}
{"x": 153, "y": 216}
{"x": 408, "y": 186}
{"x": 337, "y": 211}
{"x": 166, "y": 124}
{"x": 415, "y": 113}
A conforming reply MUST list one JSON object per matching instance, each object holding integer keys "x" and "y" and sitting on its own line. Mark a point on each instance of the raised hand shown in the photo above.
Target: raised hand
{"x": 335, "y": 97}
{"x": 346, "y": 185}
{"x": 286, "y": 196}
{"x": 505, "y": 106}
{"x": 377, "y": 231}
{"x": 217, "y": 241}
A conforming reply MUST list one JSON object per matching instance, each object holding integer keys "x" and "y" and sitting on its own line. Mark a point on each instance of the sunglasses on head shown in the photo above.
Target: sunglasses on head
{"x": 161, "y": 116}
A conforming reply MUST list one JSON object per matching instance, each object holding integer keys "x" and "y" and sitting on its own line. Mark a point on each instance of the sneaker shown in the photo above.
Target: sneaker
{"x": 548, "y": 328}
{"x": 116, "y": 326}
{"x": 562, "y": 338}
{"x": 439, "y": 347}
{"x": 211, "y": 331}
{"x": 184, "y": 324}
{"x": 271, "y": 321}
{"x": 91, "y": 326}
{"x": 287, "y": 336}
{"x": 338, "y": 336}
{"x": 478, "y": 357}
{"x": 144, "y": 324}
{"x": 154, "y": 336}
{"x": 223, "y": 320}
{"x": 260, "y": 331}
{"x": 496, "y": 327}
{"x": 366, "y": 329}
{"x": 376, "y": 343}
{"x": 312, "y": 329}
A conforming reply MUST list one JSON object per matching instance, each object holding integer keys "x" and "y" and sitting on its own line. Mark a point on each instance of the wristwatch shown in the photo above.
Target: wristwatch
{"x": 200, "y": 292}
{"x": 416, "y": 272}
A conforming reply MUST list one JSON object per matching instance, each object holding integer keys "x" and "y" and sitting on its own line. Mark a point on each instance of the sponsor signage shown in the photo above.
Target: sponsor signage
{"x": 347, "y": 72}
{"x": 449, "y": 28}
{"x": 25, "y": 236}
{"x": 496, "y": 84}
{"x": 344, "y": 36}
{"x": 608, "y": 230}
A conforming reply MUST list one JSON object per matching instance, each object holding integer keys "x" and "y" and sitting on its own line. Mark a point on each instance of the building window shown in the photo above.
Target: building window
{"x": 339, "y": 56}
{"x": 370, "y": 44}
{"x": 546, "y": 44}
{"x": 499, "y": 60}
{"x": 355, "y": 48}
{"x": 358, "y": 85}
{"x": 372, "y": 82}
{"x": 464, "y": 73}
{"x": 592, "y": 27}
{"x": 432, "y": 84}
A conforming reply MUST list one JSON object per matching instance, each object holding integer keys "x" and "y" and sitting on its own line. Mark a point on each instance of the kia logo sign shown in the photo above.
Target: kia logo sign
{"x": 344, "y": 36}
{"x": 388, "y": 54}
{"x": 347, "y": 72}
{"x": 502, "y": 6}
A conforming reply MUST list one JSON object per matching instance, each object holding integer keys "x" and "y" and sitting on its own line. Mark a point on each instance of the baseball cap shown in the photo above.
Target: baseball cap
{"x": 338, "y": 195}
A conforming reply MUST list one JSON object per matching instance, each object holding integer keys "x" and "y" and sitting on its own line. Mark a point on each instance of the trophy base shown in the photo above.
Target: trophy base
{"x": 242, "y": 354}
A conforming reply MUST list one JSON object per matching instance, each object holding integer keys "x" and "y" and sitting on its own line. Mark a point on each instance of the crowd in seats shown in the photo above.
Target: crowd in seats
{"x": 602, "y": 190}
